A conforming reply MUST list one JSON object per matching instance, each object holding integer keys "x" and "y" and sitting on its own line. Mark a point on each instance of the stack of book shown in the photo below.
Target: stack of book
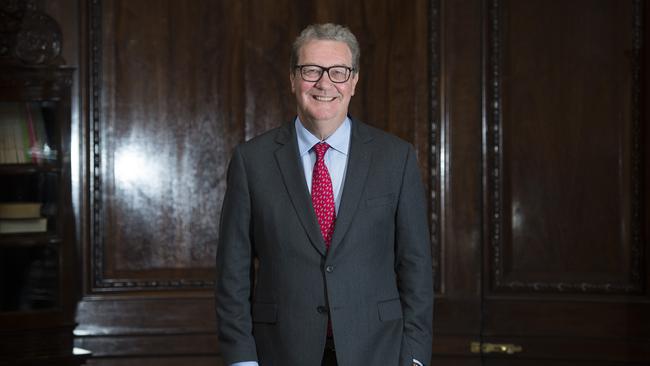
{"x": 23, "y": 138}
{"x": 21, "y": 217}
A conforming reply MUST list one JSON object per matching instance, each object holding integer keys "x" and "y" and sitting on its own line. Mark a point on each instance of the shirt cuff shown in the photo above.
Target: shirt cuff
{"x": 417, "y": 362}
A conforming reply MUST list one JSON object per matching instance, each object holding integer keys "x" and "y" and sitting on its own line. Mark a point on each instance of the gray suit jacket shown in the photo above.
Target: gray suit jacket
{"x": 276, "y": 283}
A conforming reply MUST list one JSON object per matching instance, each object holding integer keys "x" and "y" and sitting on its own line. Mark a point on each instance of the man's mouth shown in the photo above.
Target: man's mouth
{"x": 320, "y": 98}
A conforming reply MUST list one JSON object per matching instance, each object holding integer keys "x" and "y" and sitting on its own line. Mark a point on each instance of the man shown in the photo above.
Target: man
{"x": 324, "y": 255}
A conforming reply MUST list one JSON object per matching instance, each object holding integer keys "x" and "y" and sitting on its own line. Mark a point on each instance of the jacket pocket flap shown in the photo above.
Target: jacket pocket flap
{"x": 390, "y": 310}
{"x": 265, "y": 313}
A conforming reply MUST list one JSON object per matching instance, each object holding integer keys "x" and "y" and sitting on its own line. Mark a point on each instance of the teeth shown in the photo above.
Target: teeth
{"x": 324, "y": 99}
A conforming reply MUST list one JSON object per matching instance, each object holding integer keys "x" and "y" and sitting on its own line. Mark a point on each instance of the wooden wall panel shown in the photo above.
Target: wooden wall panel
{"x": 169, "y": 89}
{"x": 565, "y": 231}
{"x": 163, "y": 140}
{"x": 174, "y": 90}
{"x": 564, "y": 171}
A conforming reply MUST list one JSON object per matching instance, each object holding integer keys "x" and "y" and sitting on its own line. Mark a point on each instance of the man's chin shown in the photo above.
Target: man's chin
{"x": 323, "y": 117}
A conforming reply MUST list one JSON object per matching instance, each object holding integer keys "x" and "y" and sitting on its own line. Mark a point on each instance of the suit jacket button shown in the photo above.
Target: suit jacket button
{"x": 329, "y": 269}
{"x": 321, "y": 309}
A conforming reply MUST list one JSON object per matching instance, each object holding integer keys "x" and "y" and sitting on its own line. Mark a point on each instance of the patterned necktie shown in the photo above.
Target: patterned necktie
{"x": 322, "y": 197}
{"x": 322, "y": 194}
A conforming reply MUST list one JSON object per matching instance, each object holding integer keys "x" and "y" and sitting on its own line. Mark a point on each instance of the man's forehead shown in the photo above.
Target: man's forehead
{"x": 320, "y": 48}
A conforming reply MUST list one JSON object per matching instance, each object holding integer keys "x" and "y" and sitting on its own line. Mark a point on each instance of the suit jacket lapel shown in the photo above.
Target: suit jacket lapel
{"x": 359, "y": 160}
{"x": 294, "y": 180}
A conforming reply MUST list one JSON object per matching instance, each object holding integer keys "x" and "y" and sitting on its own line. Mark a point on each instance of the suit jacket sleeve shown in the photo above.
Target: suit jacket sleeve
{"x": 414, "y": 265}
{"x": 234, "y": 269}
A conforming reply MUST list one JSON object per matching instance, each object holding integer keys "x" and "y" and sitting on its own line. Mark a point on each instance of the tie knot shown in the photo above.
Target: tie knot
{"x": 321, "y": 148}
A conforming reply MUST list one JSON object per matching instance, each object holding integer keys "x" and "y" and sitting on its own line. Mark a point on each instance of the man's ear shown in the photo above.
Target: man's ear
{"x": 355, "y": 79}
{"x": 291, "y": 77}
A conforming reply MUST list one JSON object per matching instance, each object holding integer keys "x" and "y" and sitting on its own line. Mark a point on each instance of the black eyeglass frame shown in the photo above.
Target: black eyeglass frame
{"x": 324, "y": 70}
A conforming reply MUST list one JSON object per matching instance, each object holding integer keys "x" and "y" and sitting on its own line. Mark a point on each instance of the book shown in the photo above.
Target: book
{"x": 14, "y": 226}
{"x": 23, "y": 137}
{"x": 10, "y": 118}
{"x": 37, "y": 136}
{"x": 20, "y": 210}
{"x": 5, "y": 137}
{"x": 20, "y": 139}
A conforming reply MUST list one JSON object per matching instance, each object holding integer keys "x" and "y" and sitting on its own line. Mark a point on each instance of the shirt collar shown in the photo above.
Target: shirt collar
{"x": 339, "y": 140}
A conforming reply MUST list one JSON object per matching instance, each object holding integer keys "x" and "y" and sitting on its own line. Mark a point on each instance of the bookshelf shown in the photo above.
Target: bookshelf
{"x": 38, "y": 266}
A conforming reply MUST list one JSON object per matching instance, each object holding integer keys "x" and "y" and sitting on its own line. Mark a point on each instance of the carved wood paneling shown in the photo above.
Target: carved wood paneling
{"x": 162, "y": 134}
{"x": 178, "y": 85}
{"x": 173, "y": 90}
{"x": 434, "y": 175}
{"x": 563, "y": 146}
{"x": 421, "y": 79}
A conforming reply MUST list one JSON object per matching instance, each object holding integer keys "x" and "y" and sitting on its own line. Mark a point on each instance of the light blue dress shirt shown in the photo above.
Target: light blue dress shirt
{"x": 336, "y": 157}
{"x": 336, "y": 160}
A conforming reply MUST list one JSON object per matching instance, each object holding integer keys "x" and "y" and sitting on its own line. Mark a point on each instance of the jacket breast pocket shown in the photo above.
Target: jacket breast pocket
{"x": 265, "y": 313}
{"x": 390, "y": 310}
{"x": 382, "y": 200}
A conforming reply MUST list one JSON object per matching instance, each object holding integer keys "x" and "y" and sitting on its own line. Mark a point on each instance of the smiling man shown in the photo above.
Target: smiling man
{"x": 333, "y": 213}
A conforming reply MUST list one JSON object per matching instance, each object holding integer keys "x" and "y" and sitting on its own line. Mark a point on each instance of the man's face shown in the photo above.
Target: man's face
{"x": 323, "y": 101}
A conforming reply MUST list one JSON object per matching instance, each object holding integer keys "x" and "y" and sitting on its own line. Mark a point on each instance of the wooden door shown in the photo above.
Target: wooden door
{"x": 564, "y": 234}
{"x": 545, "y": 180}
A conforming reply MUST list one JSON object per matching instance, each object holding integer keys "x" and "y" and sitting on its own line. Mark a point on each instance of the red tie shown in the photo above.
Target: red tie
{"x": 322, "y": 195}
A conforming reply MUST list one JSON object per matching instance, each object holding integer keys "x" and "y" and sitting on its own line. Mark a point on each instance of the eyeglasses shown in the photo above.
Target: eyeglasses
{"x": 313, "y": 73}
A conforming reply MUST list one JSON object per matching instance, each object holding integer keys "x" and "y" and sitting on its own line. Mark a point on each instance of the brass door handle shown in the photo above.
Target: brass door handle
{"x": 507, "y": 348}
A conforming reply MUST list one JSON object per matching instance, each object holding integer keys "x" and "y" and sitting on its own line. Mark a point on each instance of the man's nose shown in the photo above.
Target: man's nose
{"x": 324, "y": 81}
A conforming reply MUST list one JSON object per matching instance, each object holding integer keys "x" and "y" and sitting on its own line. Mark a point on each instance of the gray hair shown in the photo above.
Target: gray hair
{"x": 326, "y": 32}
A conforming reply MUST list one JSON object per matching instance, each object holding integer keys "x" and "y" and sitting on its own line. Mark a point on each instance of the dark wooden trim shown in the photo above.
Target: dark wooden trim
{"x": 434, "y": 138}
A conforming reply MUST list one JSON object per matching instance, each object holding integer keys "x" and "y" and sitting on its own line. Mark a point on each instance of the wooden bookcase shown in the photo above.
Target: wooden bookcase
{"x": 38, "y": 271}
